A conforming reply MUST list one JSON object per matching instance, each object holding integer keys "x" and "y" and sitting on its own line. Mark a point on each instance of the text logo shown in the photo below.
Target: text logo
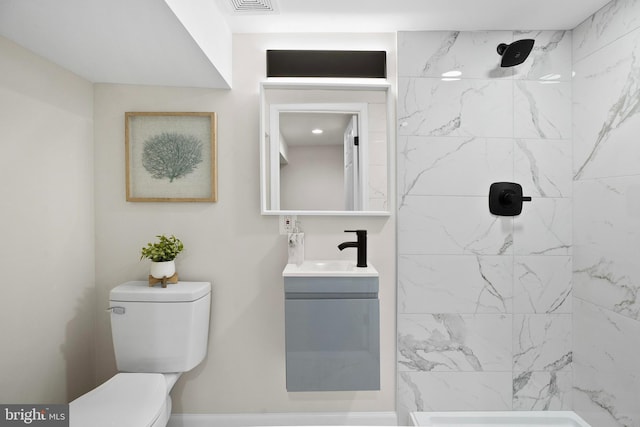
{"x": 34, "y": 415}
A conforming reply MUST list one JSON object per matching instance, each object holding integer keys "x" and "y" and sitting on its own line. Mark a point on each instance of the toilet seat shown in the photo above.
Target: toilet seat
{"x": 126, "y": 400}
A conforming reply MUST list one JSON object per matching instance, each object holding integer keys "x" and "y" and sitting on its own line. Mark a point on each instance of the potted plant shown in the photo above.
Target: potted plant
{"x": 162, "y": 255}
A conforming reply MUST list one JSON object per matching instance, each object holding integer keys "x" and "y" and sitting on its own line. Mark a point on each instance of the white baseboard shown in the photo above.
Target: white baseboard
{"x": 285, "y": 419}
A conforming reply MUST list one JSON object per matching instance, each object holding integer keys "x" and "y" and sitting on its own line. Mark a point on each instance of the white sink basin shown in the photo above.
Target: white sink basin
{"x": 330, "y": 268}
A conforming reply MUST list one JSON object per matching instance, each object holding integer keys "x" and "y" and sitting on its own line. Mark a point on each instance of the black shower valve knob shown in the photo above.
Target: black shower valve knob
{"x": 510, "y": 197}
{"x": 505, "y": 198}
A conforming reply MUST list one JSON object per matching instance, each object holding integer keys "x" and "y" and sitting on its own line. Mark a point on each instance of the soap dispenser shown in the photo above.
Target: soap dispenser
{"x": 296, "y": 245}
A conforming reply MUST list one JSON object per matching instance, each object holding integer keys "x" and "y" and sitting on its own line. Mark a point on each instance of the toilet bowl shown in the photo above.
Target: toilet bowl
{"x": 140, "y": 400}
{"x": 158, "y": 333}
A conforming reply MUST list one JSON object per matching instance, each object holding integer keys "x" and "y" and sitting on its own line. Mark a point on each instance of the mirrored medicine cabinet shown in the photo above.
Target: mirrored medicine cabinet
{"x": 325, "y": 148}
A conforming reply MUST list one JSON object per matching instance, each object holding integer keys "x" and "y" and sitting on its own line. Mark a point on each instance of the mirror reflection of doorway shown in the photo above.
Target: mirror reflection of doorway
{"x": 321, "y": 153}
{"x": 351, "y": 166}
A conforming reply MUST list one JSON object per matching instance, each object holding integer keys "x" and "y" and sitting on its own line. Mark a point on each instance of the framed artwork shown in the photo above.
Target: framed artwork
{"x": 171, "y": 157}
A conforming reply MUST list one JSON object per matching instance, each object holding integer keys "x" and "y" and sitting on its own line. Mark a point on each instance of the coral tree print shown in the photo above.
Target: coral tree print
{"x": 171, "y": 155}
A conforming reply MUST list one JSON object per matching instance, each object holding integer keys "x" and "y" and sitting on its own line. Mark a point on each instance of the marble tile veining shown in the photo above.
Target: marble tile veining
{"x": 542, "y": 391}
{"x": 611, "y": 22}
{"x": 432, "y": 53}
{"x": 607, "y": 102}
{"x": 607, "y": 383}
{"x": 454, "y": 342}
{"x": 426, "y": 164}
{"x": 542, "y": 342}
{"x": 455, "y": 284}
{"x": 431, "y": 107}
{"x": 542, "y": 284}
{"x": 607, "y": 232}
{"x": 543, "y": 167}
{"x": 550, "y": 59}
{"x": 452, "y": 225}
{"x": 543, "y": 228}
{"x": 542, "y": 109}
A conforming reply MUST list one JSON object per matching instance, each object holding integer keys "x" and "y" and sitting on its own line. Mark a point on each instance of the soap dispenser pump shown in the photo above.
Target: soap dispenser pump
{"x": 296, "y": 245}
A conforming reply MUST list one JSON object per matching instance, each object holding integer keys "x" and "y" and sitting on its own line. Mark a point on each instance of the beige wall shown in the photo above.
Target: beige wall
{"x": 54, "y": 124}
{"x": 47, "y": 298}
{"x": 231, "y": 244}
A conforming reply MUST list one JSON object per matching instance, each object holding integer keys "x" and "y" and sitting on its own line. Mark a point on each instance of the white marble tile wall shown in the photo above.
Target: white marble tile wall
{"x": 606, "y": 377}
{"x": 607, "y": 243}
{"x": 550, "y": 178}
{"x": 542, "y": 285}
{"x": 453, "y": 391}
{"x": 432, "y": 53}
{"x": 542, "y": 109}
{"x": 483, "y": 285}
{"x": 606, "y": 193}
{"x": 550, "y": 59}
{"x": 606, "y": 106}
{"x": 484, "y": 302}
{"x": 542, "y": 391}
{"x": 614, "y": 20}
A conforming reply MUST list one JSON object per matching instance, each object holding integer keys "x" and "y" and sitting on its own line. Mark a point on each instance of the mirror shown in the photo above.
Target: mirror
{"x": 320, "y": 163}
{"x": 324, "y": 149}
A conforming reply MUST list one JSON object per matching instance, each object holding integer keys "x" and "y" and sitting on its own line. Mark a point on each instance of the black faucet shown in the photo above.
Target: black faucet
{"x": 361, "y": 244}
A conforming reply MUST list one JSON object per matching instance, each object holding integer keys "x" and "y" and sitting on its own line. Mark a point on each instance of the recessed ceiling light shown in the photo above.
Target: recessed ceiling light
{"x": 317, "y": 131}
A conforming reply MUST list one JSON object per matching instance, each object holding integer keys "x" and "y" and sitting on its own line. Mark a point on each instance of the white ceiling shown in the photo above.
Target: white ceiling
{"x": 412, "y": 15}
{"x": 296, "y": 128}
{"x": 173, "y": 43}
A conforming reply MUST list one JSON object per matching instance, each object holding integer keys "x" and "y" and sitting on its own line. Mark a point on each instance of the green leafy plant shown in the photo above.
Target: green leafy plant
{"x": 165, "y": 249}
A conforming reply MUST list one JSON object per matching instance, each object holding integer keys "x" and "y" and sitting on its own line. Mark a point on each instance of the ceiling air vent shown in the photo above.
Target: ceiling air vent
{"x": 254, "y": 6}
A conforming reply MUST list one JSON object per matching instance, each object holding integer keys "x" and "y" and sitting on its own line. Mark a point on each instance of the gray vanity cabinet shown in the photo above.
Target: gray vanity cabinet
{"x": 332, "y": 329}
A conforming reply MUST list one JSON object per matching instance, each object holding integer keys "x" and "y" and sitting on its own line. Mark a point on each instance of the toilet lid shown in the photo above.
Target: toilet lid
{"x": 126, "y": 400}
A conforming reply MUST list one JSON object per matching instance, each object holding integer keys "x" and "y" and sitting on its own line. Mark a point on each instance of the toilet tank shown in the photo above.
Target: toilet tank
{"x": 157, "y": 329}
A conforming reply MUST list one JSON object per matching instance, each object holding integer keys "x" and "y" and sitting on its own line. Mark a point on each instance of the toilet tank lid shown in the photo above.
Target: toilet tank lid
{"x": 141, "y": 291}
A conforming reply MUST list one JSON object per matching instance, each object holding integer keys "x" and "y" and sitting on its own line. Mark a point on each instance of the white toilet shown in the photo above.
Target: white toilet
{"x": 158, "y": 333}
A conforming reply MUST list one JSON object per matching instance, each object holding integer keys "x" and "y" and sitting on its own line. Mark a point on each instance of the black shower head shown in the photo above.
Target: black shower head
{"x": 515, "y": 53}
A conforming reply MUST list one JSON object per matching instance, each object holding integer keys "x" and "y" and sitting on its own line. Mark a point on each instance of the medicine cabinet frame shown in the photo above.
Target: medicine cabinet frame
{"x": 324, "y": 84}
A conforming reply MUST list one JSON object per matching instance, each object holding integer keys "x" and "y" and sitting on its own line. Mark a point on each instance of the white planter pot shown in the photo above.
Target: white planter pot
{"x": 163, "y": 269}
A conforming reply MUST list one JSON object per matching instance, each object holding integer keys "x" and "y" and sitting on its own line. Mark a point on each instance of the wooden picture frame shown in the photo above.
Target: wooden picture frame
{"x": 171, "y": 157}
